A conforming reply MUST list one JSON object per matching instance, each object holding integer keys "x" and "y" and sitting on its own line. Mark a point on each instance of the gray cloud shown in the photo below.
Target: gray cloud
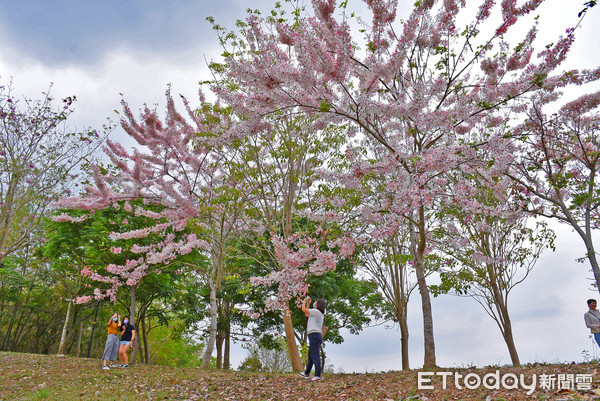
{"x": 71, "y": 31}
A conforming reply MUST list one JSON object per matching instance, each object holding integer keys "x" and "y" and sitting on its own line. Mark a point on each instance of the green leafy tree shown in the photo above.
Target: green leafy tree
{"x": 352, "y": 303}
{"x": 82, "y": 247}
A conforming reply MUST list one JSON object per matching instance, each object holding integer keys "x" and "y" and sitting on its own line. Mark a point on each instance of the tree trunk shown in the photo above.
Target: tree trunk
{"x": 79, "y": 339}
{"x": 291, "y": 342}
{"x": 10, "y": 327}
{"x": 219, "y": 345}
{"x": 71, "y": 333}
{"x": 63, "y": 336}
{"x": 322, "y": 356}
{"x": 223, "y": 337}
{"x": 210, "y": 345}
{"x": 401, "y": 292}
{"x": 510, "y": 343}
{"x": 505, "y": 325}
{"x": 21, "y": 328}
{"x": 6, "y": 211}
{"x": 591, "y": 255}
{"x": 403, "y": 323}
{"x": 1, "y": 304}
{"x": 141, "y": 328}
{"x": 227, "y": 353}
{"x": 429, "y": 342}
{"x": 504, "y": 320}
{"x": 217, "y": 270}
{"x": 132, "y": 312}
{"x": 287, "y": 316}
{"x": 20, "y": 324}
{"x": 144, "y": 338}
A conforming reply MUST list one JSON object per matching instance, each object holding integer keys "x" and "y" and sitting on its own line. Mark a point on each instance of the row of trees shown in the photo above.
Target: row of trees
{"x": 43, "y": 159}
{"x": 450, "y": 142}
{"x": 39, "y": 161}
{"x": 341, "y": 157}
{"x": 77, "y": 247}
{"x": 229, "y": 212}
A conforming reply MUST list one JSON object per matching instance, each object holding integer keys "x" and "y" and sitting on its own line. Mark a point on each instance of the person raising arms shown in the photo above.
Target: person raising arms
{"x": 315, "y": 330}
{"x": 111, "y": 349}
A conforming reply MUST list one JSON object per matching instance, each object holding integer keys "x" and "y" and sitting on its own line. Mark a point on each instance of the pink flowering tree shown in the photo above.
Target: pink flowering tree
{"x": 92, "y": 242}
{"x": 489, "y": 245}
{"x": 83, "y": 251}
{"x": 559, "y": 163}
{"x": 278, "y": 165}
{"x": 300, "y": 256}
{"x": 39, "y": 161}
{"x": 389, "y": 263}
{"x": 416, "y": 89}
{"x": 181, "y": 166}
{"x": 384, "y": 241}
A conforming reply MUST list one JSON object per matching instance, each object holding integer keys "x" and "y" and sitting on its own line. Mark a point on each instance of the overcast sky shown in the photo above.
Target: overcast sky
{"x": 99, "y": 49}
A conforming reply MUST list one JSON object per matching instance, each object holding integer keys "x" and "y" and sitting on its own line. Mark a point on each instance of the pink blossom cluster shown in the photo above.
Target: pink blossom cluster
{"x": 183, "y": 182}
{"x": 83, "y": 299}
{"x": 65, "y": 217}
{"x": 116, "y": 250}
{"x": 415, "y": 124}
{"x": 299, "y": 257}
{"x": 564, "y": 149}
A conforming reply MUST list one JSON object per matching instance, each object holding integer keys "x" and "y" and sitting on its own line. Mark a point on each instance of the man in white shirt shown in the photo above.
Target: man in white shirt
{"x": 592, "y": 319}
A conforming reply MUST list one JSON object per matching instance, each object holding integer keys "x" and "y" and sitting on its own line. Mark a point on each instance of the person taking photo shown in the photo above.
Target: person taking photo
{"x": 111, "y": 349}
{"x": 316, "y": 331}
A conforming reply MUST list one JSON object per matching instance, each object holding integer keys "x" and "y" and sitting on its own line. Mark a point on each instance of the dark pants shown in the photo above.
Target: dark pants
{"x": 314, "y": 356}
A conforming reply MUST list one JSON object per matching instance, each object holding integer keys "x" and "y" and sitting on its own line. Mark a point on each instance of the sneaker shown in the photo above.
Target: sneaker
{"x": 105, "y": 367}
{"x": 316, "y": 379}
{"x": 114, "y": 365}
{"x": 304, "y": 375}
{"x": 124, "y": 366}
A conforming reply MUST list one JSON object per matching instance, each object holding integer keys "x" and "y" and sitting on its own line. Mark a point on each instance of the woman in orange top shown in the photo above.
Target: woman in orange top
{"x": 111, "y": 349}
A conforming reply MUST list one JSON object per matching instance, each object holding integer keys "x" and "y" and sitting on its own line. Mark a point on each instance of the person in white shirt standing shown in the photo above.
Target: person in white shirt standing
{"x": 316, "y": 331}
{"x": 592, "y": 319}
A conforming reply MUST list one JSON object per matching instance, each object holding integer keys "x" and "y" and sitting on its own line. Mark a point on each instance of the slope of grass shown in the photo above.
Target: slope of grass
{"x": 50, "y": 377}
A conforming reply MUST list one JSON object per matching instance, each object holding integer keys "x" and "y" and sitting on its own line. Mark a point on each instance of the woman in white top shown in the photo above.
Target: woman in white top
{"x": 314, "y": 328}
